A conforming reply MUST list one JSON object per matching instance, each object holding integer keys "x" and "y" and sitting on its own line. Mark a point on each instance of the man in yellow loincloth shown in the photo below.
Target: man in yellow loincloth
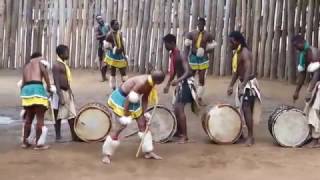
{"x": 115, "y": 55}
{"x": 35, "y": 99}
{"x": 248, "y": 96}
{"x": 128, "y": 102}
{"x": 308, "y": 63}
{"x": 198, "y": 44}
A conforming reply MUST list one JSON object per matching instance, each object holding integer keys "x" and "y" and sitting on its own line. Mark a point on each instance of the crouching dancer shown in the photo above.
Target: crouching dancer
{"x": 128, "y": 102}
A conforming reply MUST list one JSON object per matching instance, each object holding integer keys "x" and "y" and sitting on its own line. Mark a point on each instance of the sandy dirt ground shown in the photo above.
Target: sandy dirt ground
{"x": 197, "y": 160}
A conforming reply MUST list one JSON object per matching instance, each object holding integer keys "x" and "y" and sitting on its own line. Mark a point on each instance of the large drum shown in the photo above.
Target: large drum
{"x": 93, "y": 122}
{"x": 289, "y": 126}
{"x": 223, "y": 124}
{"x": 163, "y": 125}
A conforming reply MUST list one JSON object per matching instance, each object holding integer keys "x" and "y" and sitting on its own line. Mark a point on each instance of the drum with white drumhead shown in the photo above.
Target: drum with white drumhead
{"x": 163, "y": 124}
{"x": 223, "y": 124}
{"x": 289, "y": 126}
{"x": 93, "y": 122}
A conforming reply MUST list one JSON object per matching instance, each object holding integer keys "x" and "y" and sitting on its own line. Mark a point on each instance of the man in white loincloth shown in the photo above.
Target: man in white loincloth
{"x": 248, "y": 96}
{"x": 309, "y": 64}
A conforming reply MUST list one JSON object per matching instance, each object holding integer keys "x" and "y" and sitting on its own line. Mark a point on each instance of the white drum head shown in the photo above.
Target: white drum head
{"x": 291, "y": 128}
{"x": 92, "y": 124}
{"x": 224, "y": 124}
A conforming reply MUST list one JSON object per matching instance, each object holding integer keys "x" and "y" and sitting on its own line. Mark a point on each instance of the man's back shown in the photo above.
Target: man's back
{"x": 32, "y": 71}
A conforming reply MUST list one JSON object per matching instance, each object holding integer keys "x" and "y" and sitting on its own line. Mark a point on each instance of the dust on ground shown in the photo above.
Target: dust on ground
{"x": 198, "y": 160}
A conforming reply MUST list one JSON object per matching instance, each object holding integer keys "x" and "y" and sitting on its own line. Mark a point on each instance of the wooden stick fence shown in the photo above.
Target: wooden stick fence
{"x": 40, "y": 25}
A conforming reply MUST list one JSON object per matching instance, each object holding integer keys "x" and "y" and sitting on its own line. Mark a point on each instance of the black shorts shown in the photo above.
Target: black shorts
{"x": 249, "y": 97}
{"x": 184, "y": 94}
{"x": 100, "y": 53}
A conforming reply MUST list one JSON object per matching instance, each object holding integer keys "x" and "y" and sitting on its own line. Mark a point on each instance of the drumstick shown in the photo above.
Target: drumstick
{"x": 146, "y": 130}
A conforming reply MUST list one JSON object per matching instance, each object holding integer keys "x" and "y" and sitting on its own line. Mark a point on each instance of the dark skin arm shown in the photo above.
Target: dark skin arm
{"x": 187, "y": 72}
{"x": 312, "y": 84}
{"x": 233, "y": 81}
{"x": 302, "y": 77}
{"x": 45, "y": 74}
{"x": 247, "y": 66}
{"x": 171, "y": 77}
{"x": 209, "y": 40}
{"x": 55, "y": 71}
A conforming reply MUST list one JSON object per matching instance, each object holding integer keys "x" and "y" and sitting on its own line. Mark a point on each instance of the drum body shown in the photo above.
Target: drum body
{"x": 93, "y": 122}
{"x": 289, "y": 126}
{"x": 222, "y": 124}
{"x": 163, "y": 125}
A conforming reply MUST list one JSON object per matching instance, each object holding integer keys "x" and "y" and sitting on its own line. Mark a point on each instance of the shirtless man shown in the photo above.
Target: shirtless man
{"x": 101, "y": 34}
{"x": 62, "y": 79}
{"x": 248, "y": 89}
{"x": 185, "y": 91}
{"x": 116, "y": 55}
{"x": 126, "y": 106}
{"x": 309, "y": 64}
{"x": 35, "y": 99}
{"x": 198, "y": 44}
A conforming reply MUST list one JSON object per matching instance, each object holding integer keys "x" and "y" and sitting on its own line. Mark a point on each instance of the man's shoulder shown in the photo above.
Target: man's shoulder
{"x": 246, "y": 53}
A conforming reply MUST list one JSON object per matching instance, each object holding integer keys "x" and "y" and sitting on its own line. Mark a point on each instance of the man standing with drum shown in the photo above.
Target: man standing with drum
{"x": 62, "y": 79}
{"x": 247, "y": 89}
{"x": 185, "y": 91}
{"x": 128, "y": 102}
{"x": 309, "y": 64}
{"x": 198, "y": 44}
{"x": 101, "y": 35}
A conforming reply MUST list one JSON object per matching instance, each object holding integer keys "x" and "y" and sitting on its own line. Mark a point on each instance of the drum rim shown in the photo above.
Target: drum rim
{"x": 213, "y": 139}
{"x": 175, "y": 123}
{"x": 283, "y": 145}
{"x": 93, "y": 105}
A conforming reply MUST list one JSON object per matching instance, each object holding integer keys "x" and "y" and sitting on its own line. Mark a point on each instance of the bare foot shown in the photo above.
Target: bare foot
{"x": 106, "y": 160}
{"x": 152, "y": 155}
{"x": 249, "y": 141}
{"x": 43, "y": 147}
{"x": 25, "y": 145}
{"x": 245, "y": 131}
{"x": 182, "y": 140}
{"x": 201, "y": 103}
{"x": 313, "y": 144}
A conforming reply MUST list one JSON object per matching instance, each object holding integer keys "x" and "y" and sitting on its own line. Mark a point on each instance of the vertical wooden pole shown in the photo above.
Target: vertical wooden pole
{"x": 61, "y": 21}
{"x": 243, "y": 16}
{"x": 316, "y": 24}
{"x": 2, "y": 25}
{"x": 268, "y": 49}
{"x": 195, "y": 13}
{"x": 201, "y": 8}
{"x": 304, "y": 17}
{"x": 134, "y": 20}
{"x": 217, "y": 50}
{"x": 213, "y": 29}
{"x": 138, "y": 35}
{"x": 121, "y": 9}
{"x": 238, "y": 15}
{"x": 149, "y": 66}
{"x": 224, "y": 58}
{"x": 256, "y": 32}
{"x": 29, "y": 6}
{"x": 276, "y": 42}
{"x": 155, "y": 37}
{"x": 160, "y": 58}
{"x": 7, "y": 32}
{"x": 88, "y": 58}
{"x": 282, "y": 54}
{"x": 181, "y": 21}
{"x": 187, "y": 11}
{"x": 166, "y": 31}
{"x": 74, "y": 34}
{"x": 289, "y": 58}
{"x": 125, "y": 21}
{"x": 298, "y": 17}
{"x": 143, "y": 44}
{"x": 263, "y": 38}
{"x": 175, "y": 18}
{"x": 83, "y": 33}
{"x": 310, "y": 21}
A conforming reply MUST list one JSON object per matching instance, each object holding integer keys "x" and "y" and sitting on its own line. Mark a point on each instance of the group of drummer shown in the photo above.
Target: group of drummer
{"x": 130, "y": 99}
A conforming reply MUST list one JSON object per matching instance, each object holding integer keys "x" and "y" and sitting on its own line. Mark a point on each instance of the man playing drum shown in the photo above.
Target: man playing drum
{"x": 185, "y": 91}
{"x": 35, "y": 99}
{"x": 309, "y": 64}
{"x": 62, "y": 79}
{"x": 247, "y": 88}
{"x": 198, "y": 44}
{"x": 130, "y": 101}
{"x": 116, "y": 55}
